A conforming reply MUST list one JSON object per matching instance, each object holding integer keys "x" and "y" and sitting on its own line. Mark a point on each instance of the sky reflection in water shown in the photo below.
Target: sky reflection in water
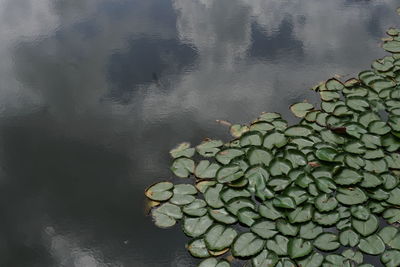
{"x": 93, "y": 94}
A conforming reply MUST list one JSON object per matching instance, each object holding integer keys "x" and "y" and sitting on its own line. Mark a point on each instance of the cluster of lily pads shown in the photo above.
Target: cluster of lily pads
{"x": 324, "y": 192}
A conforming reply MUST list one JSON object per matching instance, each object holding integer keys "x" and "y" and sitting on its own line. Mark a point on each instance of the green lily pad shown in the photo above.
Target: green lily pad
{"x": 310, "y": 231}
{"x": 325, "y": 203}
{"x": 213, "y": 262}
{"x": 372, "y": 245}
{"x": 349, "y": 238}
{"x": 366, "y": 227}
{"x": 302, "y": 131}
{"x": 314, "y": 260}
{"x": 392, "y": 215}
{"x": 251, "y": 139}
{"x": 326, "y": 219}
{"x": 196, "y": 209}
{"x": 326, "y": 154}
{"x": 259, "y": 156}
{"x": 351, "y": 196}
{"x": 222, "y": 216}
{"x": 234, "y": 205}
{"x": 267, "y": 210}
{"x": 390, "y": 236}
{"x": 212, "y": 196}
{"x": 286, "y": 228}
{"x": 280, "y": 166}
{"x": 246, "y": 245}
{"x": 391, "y": 258}
{"x": 198, "y": 249}
{"x": 327, "y": 242}
{"x": 392, "y": 46}
{"x": 265, "y": 259}
{"x": 166, "y": 215}
{"x": 219, "y": 237}
{"x": 265, "y": 229}
{"x": 182, "y": 150}
{"x": 347, "y": 177}
{"x": 379, "y": 128}
{"x": 227, "y": 155}
{"x": 360, "y": 212}
{"x": 195, "y": 227}
{"x": 301, "y": 109}
{"x": 278, "y": 245}
{"x": 229, "y": 173}
{"x": 298, "y": 248}
{"x": 301, "y": 214}
{"x": 284, "y": 202}
{"x": 182, "y": 167}
{"x": 206, "y": 169}
{"x": 209, "y": 147}
{"x": 161, "y": 191}
{"x": 274, "y": 139}
{"x": 247, "y": 216}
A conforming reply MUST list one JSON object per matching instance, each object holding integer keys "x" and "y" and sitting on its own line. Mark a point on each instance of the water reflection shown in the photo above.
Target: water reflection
{"x": 94, "y": 93}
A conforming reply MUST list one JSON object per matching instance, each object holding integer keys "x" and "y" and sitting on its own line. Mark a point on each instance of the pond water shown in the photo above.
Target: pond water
{"x": 94, "y": 93}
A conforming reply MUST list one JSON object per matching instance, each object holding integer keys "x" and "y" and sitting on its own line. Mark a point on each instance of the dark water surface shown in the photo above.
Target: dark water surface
{"x": 94, "y": 93}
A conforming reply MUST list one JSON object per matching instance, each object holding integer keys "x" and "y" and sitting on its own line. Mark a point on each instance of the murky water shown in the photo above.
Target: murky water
{"x": 94, "y": 93}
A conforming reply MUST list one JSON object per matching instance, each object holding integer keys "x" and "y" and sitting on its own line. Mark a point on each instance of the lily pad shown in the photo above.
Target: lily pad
{"x": 161, "y": 191}
{"x": 247, "y": 244}
{"x": 182, "y": 167}
{"x": 372, "y": 245}
{"x": 219, "y": 237}
{"x": 166, "y": 215}
{"x": 327, "y": 242}
{"x": 301, "y": 109}
{"x": 195, "y": 227}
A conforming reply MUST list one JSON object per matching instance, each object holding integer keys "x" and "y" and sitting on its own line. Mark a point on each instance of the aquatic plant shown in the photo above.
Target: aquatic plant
{"x": 323, "y": 192}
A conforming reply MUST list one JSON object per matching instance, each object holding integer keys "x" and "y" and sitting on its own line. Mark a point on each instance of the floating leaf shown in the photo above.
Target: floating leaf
{"x": 314, "y": 260}
{"x": 367, "y": 227}
{"x": 351, "y": 196}
{"x": 229, "y": 173}
{"x": 280, "y": 166}
{"x": 326, "y": 154}
{"x": 209, "y": 147}
{"x": 372, "y": 245}
{"x": 301, "y": 109}
{"x": 279, "y": 245}
{"x": 259, "y": 156}
{"x": 166, "y": 215}
{"x": 182, "y": 150}
{"x": 197, "y": 208}
{"x": 212, "y": 196}
{"x": 347, "y": 177}
{"x": 227, "y": 155}
{"x": 265, "y": 259}
{"x": 195, "y": 227}
{"x": 161, "y": 191}
{"x": 197, "y": 248}
{"x": 298, "y": 131}
{"x": 349, "y": 238}
{"x": 298, "y": 248}
{"x": 325, "y": 202}
{"x": 213, "y": 262}
{"x": 222, "y": 216}
{"x": 327, "y": 242}
{"x": 182, "y": 167}
{"x": 265, "y": 229}
{"x": 246, "y": 245}
{"x": 391, "y": 258}
{"x": 206, "y": 169}
{"x": 219, "y": 237}
{"x": 310, "y": 230}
